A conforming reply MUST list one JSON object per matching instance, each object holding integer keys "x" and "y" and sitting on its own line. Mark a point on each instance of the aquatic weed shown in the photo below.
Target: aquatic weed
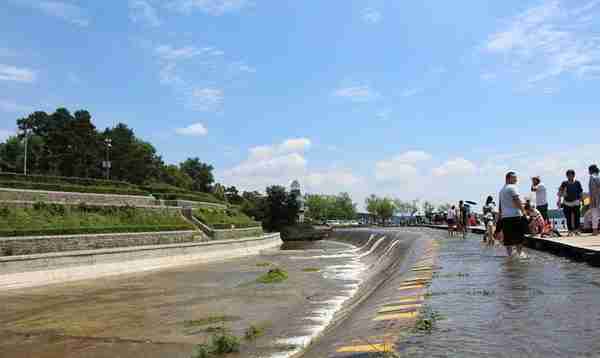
{"x": 275, "y": 275}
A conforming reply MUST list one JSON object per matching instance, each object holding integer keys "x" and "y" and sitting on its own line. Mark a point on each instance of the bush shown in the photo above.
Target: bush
{"x": 219, "y": 344}
{"x": 162, "y": 188}
{"x": 49, "y": 179}
{"x": 71, "y": 188}
{"x": 92, "y": 230}
{"x": 224, "y": 218}
{"x": 190, "y": 196}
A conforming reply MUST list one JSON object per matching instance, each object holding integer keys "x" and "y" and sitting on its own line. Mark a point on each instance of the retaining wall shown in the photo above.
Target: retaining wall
{"x": 11, "y": 246}
{"x": 7, "y": 194}
{"x": 45, "y": 269}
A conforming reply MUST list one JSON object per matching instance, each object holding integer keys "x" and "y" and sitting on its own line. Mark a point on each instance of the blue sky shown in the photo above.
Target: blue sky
{"x": 421, "y": 99}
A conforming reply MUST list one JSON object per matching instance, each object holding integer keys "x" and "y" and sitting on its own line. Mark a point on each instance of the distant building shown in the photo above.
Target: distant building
{"x": 295, "y": 189}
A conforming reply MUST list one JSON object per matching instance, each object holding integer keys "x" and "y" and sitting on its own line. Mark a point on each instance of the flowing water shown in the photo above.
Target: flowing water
{"x": 342, "y": 297}
{"x": 544, "y": 306}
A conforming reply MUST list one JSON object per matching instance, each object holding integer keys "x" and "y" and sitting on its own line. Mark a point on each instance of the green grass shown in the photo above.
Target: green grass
{"x": 275, "y": 275}
{"x": 93, "y": 189}
{"x": 224, "y": 218}
{"x": 64, "y": 219}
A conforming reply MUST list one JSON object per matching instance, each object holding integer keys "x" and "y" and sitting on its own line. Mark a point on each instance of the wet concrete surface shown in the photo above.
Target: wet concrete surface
{"x": 152, "y": 314}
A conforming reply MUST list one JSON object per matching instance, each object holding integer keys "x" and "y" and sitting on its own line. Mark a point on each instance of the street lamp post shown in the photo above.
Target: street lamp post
{"x": 107, "y": 164}
{"x": 26, "y": 140}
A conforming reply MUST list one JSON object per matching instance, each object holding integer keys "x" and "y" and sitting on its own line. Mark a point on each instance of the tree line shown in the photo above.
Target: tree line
{"x": 68, "y": 144}
{"x": 384, "y": 208}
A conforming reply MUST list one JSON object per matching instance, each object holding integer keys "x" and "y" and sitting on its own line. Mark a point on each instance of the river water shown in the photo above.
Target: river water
{"x": 545, "y": 306}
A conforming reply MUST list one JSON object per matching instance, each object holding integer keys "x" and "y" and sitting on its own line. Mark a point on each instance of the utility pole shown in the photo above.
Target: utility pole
{"x": 107, "y": 164}
{"x": 26, "y": 134}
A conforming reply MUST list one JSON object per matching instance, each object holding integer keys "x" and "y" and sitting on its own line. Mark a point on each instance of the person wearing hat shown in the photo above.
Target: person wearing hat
{"x": 541, "y": 199}
{"x": 594, "y": 187}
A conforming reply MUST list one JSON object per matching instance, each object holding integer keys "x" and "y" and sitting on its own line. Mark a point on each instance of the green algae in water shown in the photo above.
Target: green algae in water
{"x": 263, "y": 264}
{"x": 275, "y": 275}
{"x": 311, "y": 269}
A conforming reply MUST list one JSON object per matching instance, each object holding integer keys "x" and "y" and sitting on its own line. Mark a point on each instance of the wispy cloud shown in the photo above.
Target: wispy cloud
{"x": 210, "y": 7}
{"x": 16, "y": 74}
{"x": 357, "y": 93}
{"x": 372, "y": 16}
{"x": 10, "y": 106}
{"x": 206, "y": 99}
{"x": 549, "y": 40}
{"x": 194, "y": 130}
{"x": 141, "y": 11}
{"x": 59, "y": 9}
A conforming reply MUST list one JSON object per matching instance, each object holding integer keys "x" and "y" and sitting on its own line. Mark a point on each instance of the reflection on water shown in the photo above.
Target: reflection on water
{"x": 497, "y": 307}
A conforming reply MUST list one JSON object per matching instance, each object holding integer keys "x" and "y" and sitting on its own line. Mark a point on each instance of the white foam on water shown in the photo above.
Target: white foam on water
{"x": 373, "y": 248}
{"x": 363, "y": 246}
{"x": 388, "y": 250}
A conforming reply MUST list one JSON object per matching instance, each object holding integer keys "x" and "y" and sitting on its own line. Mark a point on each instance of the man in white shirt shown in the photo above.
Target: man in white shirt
{"x": 511, "y": 212}
{"x": 541, "y": 198}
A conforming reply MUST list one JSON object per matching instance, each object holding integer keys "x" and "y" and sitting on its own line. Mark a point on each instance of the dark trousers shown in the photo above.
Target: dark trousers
{"x": 544, "y": 211}
{"x": 574, "y": 222}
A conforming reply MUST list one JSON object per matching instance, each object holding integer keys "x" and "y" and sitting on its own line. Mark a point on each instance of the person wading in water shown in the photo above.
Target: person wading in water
{"x": 512, "y": 222}
{"x": 569, "y": 198}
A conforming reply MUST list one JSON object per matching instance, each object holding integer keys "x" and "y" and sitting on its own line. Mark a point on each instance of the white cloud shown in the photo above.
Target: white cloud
{"x": 401, "y": 168}
{"x": 371, "y": 16}
{"x": 141, "y": 11}
{"x": 13, "y": 107}
{"x": 5, "y": 134}
{"x": 279, "y": 164}
{"x": 194, "y": 130}
{"x": 206, "y": 99}
{"x": 59, "y": 9}
{"x": 210, "y": 7}
{"x": 17, "y": 74}
{"x": 356, "y": 93}
{"x": 550, "y": 40}
{"x": 457, "y": 166}
{"x": 169, "y": 53}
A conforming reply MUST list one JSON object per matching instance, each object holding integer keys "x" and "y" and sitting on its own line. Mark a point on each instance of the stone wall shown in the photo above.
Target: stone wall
{"x": 11, "y": 246}
{"x": 75, "y": 198}
{"x": 236, "y": 233}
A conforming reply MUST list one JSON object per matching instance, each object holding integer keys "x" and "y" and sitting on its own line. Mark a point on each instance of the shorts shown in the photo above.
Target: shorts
{"x": 451, "y": 222}
{"x": 513, "y": 230}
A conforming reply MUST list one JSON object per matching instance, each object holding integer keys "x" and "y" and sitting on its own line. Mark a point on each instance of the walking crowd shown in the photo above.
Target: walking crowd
{"x": 515, "y": 217}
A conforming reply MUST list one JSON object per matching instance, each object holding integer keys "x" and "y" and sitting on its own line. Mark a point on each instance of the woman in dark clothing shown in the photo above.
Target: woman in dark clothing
{"x": 569, "y": 198}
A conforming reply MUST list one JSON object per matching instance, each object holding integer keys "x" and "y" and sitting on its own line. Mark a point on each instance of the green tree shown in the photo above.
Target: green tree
{"x": 428, "y": 208}
{"x": 233, "y": 196}
{"x": 382, "y": 208}
{"x": 317, "y": 207}
{"x": 172, "y": 175}
{"x": 201, "y": 174}
{"x": 254, "y": 205}
{"x": 281, "y": 208}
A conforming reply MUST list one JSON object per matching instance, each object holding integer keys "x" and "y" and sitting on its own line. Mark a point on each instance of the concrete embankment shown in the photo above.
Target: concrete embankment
{"x": 50, "y": 268}
{"x": 335, "y": 290}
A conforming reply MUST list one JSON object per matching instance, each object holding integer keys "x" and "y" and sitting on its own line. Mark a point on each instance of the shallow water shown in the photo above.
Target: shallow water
{"x": 544, "y": 306}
